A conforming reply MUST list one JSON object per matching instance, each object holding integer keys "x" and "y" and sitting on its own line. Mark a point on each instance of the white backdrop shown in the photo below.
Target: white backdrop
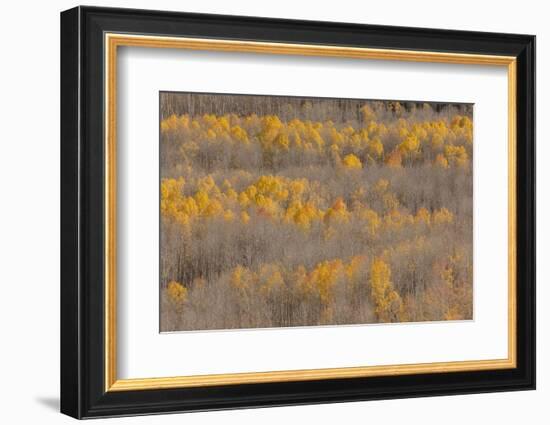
{"x": 29, "y": 224}
{"x": 143, "y": 72}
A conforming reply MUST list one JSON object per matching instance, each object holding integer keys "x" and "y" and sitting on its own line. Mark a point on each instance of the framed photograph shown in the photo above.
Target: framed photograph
{"x": 261, "y": 212}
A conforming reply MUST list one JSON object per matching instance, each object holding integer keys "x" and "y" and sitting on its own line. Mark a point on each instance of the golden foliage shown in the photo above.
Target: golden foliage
{"x": 441, "y": 161}
{"x": 388, "y": 304}
{"x": 443, "y": 216}
{"x": 417, "y": 141}
{"x": 176, "y": 291}
{"x": 456, "y": 155}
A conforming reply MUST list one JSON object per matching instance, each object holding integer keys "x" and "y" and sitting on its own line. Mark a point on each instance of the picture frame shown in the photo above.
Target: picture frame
{"x": 90, "y": 41}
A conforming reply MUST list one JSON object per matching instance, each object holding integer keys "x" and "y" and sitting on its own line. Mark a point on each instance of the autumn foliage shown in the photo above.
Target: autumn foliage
{"x": 271, "y": 220}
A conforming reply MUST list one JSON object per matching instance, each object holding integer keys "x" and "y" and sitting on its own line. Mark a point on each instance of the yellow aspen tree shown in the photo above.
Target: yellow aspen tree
{"x": 177, "y": 292}
{"x": 368, "y": 113}
{"x": 456, "y": 155}
{"x": 441, "y": 161}
{"x": 423, "y": 216}
{"x": 376, "y": 148}
{"x": 338, "y": 212}
{"x": 409, "y": 144}
{"x": 351, "y": 162}
{"x": 228, "y": 215}
{"x": 388, "y": 304}
{"x": 245, "y": 218}
{"x": 443, "y": 216}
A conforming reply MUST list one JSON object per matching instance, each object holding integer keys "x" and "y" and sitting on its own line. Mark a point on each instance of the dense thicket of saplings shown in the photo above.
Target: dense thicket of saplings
{"x": 296, "y": 219}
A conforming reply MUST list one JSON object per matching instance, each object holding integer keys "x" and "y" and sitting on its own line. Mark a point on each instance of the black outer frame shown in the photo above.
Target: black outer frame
{"x": 82, "y": 218}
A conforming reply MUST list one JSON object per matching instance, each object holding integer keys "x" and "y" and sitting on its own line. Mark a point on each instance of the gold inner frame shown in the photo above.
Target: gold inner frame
{"x": 113, "y": 41}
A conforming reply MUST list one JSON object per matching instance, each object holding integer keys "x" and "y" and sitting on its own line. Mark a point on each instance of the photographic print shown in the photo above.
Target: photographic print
{"x": 280, "y": 211}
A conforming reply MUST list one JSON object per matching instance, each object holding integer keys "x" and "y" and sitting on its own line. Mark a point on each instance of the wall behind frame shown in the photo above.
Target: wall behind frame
{"x": 29, "y": 219}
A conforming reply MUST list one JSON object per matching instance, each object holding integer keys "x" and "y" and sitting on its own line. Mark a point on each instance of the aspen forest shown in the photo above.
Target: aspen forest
{"x": 289, "y": 211}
